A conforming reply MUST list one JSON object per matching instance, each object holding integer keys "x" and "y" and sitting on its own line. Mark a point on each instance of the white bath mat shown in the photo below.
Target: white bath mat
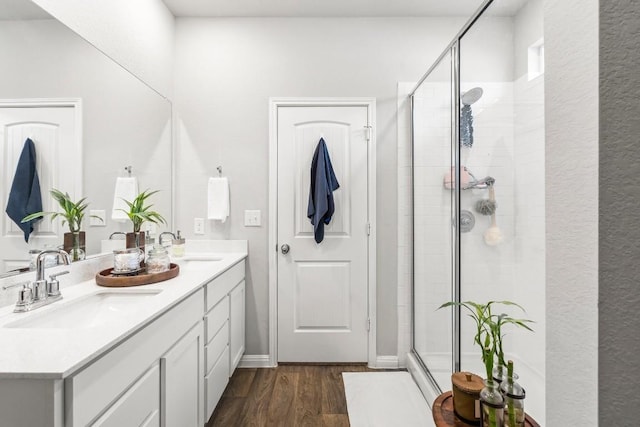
{"x": 385, "y": 399}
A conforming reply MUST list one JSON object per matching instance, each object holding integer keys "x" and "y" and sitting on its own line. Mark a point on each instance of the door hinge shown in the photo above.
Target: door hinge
{"x": 368, "y": 323}
{"x": 367, "y": 132}
{"x": 368, "y": 229}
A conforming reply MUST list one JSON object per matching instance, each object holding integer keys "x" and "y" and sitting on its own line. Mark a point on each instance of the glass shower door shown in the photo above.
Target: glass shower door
{"x": 503, "y": 257}
{"x": 433, "y": 202}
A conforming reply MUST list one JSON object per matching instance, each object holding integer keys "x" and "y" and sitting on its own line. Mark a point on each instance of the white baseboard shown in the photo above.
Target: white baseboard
{"x": 264, "y": 361}
{"x": 386, "y": 362}
{"x": 255, "y": 361}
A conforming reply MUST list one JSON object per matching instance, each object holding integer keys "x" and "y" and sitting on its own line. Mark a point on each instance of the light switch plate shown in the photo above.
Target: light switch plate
{"x": 252, "y": 218}
{"x": 198, "y": 226}
{"x": 95, "y": 222}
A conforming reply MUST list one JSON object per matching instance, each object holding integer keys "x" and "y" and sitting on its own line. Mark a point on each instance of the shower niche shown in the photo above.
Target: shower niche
{"x": 477, "y": 149}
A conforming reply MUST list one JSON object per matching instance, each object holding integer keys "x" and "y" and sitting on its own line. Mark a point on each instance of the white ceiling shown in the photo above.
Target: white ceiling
{"x": 26, "y": 9}
{"x": 336, "y": 8}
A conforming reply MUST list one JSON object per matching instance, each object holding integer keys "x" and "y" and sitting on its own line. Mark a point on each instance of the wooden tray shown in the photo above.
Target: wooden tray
{"x": 444, "y": 416}
{"x": 105, "y": 278}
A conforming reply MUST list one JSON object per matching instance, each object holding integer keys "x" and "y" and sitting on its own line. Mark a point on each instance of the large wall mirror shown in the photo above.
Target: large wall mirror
{"x": 116, "y": 121}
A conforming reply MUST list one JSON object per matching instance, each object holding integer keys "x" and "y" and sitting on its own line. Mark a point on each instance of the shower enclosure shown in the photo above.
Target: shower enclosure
{"x": 478, "y": 194}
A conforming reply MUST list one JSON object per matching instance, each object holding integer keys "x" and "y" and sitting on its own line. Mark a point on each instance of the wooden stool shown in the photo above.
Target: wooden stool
{"x": 444, "y": 416}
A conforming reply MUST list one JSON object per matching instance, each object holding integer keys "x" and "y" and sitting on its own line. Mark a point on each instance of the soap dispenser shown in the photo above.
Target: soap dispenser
{"x": 177, "y": 246}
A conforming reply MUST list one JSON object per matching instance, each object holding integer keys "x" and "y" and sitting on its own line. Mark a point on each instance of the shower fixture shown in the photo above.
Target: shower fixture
{"x": 471, "y": 96}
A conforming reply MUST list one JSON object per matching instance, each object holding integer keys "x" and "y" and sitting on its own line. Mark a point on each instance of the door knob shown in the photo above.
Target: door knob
{"x": 285, "y": 249}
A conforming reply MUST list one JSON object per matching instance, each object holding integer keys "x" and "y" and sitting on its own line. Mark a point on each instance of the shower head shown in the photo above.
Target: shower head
{"x": 471, "y": 96}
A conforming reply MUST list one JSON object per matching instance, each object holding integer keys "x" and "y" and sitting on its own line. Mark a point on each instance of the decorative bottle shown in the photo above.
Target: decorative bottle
{"x": 491, "y": 405}
{"x": 158, "y": 260}
{"x": 177, "y": 246}
{"x": 499, "y": 374}
{"x": 513, "y": 394}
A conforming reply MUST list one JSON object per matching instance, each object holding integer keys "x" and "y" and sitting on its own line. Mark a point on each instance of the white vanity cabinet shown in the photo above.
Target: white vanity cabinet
{"x": 172, "y": 346}
{"x": 170, "y": 370}
{"x": 236, "y": 326}
{"x": 224, "y": 306}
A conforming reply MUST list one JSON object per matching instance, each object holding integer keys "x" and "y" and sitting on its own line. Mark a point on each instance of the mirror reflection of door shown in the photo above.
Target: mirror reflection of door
{"x": 55, "y": 129}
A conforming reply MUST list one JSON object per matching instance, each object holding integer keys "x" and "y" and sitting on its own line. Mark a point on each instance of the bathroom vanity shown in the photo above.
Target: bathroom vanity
{"x": 154, "y": 355}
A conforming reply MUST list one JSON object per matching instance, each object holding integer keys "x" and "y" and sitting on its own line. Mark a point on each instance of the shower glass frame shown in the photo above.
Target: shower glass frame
{"x": 453, "y": 52}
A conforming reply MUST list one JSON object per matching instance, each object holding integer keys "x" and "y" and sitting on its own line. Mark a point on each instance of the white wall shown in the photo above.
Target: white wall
{"x": 137, "y": 34}
{"x": 226, "y": 70}
{"x": 529, "y": 203}
{"x": 571, "y": 115}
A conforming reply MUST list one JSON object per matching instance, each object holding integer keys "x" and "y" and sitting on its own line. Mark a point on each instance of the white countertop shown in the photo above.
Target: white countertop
{"x": 54, "y": 353}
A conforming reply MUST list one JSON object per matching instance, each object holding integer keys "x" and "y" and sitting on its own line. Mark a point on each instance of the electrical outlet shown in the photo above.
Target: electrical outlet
{"x": 198, "y": 226}
{"x": 95, "y": 222}
{"x": 252, "y": 218}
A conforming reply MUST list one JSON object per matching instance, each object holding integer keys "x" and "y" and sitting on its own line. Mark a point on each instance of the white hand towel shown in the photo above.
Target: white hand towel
{"x": 126, "y": 188}
{"x": 218, "y": 198}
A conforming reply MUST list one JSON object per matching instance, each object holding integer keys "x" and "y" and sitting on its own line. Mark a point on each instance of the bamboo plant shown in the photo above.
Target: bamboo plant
{"x": 140, "y": 212}
{"x": 489, "y": 335}
{"x": 72, "y": 212}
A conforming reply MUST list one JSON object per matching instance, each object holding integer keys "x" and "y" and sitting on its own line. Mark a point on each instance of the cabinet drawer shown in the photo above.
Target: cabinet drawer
{"x": 216, "y": 318}
{"x": 222, "y": 285}
{"x": 139, "y": 406}
{"x": 215, "y": 382}
{"x": 217, "y": 345}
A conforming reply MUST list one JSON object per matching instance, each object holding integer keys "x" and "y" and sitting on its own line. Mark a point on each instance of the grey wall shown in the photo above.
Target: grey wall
{"x": 226, "y": 70}
{"x": 619, "y": 233}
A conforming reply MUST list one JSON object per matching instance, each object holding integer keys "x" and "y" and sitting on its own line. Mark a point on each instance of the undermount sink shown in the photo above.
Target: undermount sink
{"x": 200, "y": 258}
{"x": 85, "y": 312}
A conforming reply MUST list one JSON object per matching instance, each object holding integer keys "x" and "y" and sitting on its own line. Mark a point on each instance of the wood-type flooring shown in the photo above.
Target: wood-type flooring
{"x": 286, "y": 396}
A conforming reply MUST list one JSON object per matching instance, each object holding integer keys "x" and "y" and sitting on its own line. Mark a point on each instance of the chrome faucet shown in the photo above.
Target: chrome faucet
{"x": 41, "y": 292}
{"x": 162, "y": 234}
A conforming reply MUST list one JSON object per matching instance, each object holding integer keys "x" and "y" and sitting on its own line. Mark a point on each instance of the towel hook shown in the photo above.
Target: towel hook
{"x": 219, "y": 168}
{"x": 128, "y": 169}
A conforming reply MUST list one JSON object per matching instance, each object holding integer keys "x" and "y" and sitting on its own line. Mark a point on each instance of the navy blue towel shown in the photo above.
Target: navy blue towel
{"x": 323, "y": 184}
{"x": 25, "y": 198}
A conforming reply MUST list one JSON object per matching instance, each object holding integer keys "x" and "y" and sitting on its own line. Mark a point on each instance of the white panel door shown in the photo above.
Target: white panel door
{"x": 55, "y": 133}
{"x": 322, "y": 288}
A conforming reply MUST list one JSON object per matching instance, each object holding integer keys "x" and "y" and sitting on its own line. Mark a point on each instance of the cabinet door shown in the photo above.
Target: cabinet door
{"x": 236, "y": 326}
{"x": 139, "y": 406}
{"x": 182, "y": 386}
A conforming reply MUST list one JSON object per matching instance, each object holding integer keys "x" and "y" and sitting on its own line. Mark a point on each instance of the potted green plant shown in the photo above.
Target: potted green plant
{"x": 140, "y": 212}
{"x": 489, "y": 337}
{"x": 72, "y": 214}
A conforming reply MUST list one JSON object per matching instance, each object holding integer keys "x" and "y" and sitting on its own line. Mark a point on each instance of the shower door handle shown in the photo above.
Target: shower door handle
{"x": 284, "y": 249}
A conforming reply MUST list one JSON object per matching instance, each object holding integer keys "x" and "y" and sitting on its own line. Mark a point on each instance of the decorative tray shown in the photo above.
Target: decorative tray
{"x": 445, "y": 416}
{"x": 106, "y": 278}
